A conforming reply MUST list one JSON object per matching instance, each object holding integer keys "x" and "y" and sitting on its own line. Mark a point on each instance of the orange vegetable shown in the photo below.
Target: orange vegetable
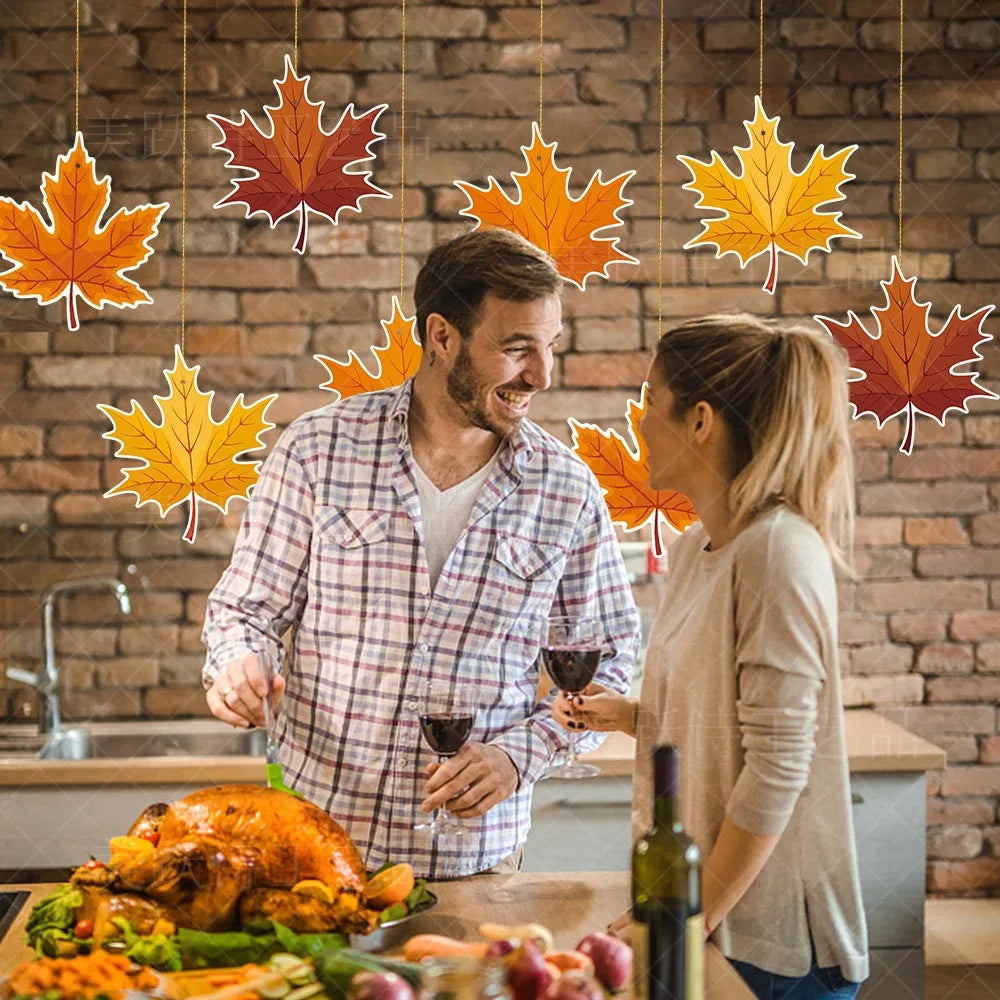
{"x": 423, "y": 946}
{"x": 82, "y": 977}
{"x": 553, "y": 970}
{"x": 391, "y": 886}
{"x": 566, "y": 960}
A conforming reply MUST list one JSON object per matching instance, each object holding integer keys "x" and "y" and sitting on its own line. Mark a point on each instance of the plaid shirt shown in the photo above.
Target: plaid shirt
{"x": 331, "y": 543}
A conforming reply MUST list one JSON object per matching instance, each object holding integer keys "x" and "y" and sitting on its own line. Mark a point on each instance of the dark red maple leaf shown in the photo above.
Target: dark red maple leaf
{"x": 299, "y": 166}
{"x": 906, "y": 368}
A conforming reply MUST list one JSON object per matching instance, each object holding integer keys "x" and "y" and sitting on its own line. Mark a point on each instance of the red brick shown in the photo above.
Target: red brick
{"x": 182, "y": 671}
{"x": 885, "y": 564}
{"x": 83, "y": 545}
{"x": 977, "y": 811}
{"x": 975, "y": 625}
{"x": 914, "y": 498}
{"x": 610, "y": 370}
{"x": 885, "y": 690}
{"x": 958, "y": 562}
{"x": 978, "y": 780}
{"x": 935, "y": 531}
{"x": 176, "y": 703}
{"x": 128, "y": 672}
{"x": 917, "y": 627}
{"x": 922, "y": 595}
{"x": 881, "y": 659}
{"x": 986, "y": 529}
{"x": 107, "y": 703}
{"x": 884, "y": 34}
{"x": 963, "y": 689}
{"x": 964, "y": 877}
{"x": 988, "y": 657}
{"x": 958, "y": 749}
{"x": 86, "y": 641}
{"x": 856, "y": 628}
{"x": 85, "y": 373}
{"x": 224, "y": 338}
{"x": 989, "y": 750}
{"x": 937, "y": 164}
{"x": 19, "y": 442}
{"x": 51, "y": 476}
{"x": 954, "y": 842}
{"x": 878, "y": 531}
{"x": 945, "y": 658}
{"x": 981, "y": 428}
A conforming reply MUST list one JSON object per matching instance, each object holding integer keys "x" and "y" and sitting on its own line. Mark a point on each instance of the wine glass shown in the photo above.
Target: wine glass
{"x": 571, "y": 654}
{"x": 447, "y": 715}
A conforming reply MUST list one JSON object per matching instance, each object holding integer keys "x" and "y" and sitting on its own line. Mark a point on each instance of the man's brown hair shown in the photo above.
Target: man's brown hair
{"x": 458, "y": 274}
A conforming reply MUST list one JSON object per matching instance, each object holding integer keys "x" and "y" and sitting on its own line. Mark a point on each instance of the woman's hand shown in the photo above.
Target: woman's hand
{"x": 599, "y": 709}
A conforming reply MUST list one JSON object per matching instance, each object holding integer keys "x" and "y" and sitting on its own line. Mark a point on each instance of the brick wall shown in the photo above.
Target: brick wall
{"x": 920, "y": 631}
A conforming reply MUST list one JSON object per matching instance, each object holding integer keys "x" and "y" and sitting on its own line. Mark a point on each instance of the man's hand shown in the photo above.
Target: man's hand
{"x": 472, "y": 782}
{"x": 238, "y": 693}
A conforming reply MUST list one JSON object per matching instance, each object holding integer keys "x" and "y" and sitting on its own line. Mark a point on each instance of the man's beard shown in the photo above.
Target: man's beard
{"x": 464, "y": 388}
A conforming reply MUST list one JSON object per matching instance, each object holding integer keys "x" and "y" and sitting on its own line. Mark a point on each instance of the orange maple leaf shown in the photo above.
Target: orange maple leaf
{"x": 768, "y": 207}
{"x": 623, "y": 473}
{"x": 188, "y": 455}
{"x": 76, "y": 255}
{"x": 905, "y": 368}
{"x": 300, "y": 167}
{"x": 545, "y": 213}
{"x": 395, "y": 361}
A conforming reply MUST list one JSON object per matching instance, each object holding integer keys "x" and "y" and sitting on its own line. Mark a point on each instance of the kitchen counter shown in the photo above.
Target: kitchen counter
{"x": 571, "y": 904}
{"x": 873, "y": 744}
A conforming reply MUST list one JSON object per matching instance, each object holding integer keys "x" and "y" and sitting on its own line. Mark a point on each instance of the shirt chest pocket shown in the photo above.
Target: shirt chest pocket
{"x": 352, "y": 561}
{"x": 524, "y": 575}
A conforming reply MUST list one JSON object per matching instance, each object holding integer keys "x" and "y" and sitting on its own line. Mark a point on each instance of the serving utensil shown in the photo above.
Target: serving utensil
{"x": 273, "y": 768}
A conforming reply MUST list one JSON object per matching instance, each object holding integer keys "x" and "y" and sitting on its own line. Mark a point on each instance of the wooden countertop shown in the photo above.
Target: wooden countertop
{"x": 873, "y": 744}
{"x": 571, "y": 904}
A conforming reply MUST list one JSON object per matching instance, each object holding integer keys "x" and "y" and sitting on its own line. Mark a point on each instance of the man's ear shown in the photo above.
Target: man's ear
{"x": 440, "y": 335}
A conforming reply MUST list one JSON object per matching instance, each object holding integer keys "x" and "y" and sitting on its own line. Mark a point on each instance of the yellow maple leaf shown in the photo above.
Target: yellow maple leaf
{"x": 547, "y": 215}
{"x": 623, "y": 473}
{"x": 395, "y": 361}
{"x": 188, "y": 455}
{"x": 768, "y": 207}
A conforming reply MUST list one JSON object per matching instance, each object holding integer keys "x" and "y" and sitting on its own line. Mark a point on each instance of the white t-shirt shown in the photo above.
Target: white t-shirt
{"x": 742, "y": 674}
{"x": 445, "y": 513}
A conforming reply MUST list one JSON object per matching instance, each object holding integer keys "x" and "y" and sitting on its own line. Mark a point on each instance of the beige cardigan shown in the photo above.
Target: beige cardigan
{"x": 741, "y": 673}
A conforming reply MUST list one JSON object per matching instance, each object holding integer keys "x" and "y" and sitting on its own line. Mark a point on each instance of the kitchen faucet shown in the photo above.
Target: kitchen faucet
{"x": 46, "y": 683}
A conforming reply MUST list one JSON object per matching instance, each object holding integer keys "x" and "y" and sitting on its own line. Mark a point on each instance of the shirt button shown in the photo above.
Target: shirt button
{"x": 424, "y": 647}
{"x": 404, "y": 762}
{"x": 411, "y": 706}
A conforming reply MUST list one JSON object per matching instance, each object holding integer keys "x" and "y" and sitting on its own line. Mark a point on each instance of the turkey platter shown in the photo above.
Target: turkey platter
{"x": 224, "y": 856}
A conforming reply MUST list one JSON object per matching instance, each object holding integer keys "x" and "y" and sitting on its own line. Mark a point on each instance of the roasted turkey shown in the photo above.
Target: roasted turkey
{"x": 227, "y": 854}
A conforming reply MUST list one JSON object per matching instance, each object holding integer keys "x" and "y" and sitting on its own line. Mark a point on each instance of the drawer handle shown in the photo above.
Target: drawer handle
{"x": 607, "y": 804}
{"x": 857, "y": 799}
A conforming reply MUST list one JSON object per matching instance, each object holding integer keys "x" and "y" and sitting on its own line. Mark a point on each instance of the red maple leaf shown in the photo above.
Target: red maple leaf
{"x": 299, "y": 166}
{"x": 905, "y": 368}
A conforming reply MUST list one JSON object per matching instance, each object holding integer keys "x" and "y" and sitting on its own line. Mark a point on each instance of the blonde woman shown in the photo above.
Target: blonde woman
{"x": 749, "y": 419}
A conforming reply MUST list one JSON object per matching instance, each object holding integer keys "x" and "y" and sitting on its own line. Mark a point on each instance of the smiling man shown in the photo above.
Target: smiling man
{"x": 417, "y": 538}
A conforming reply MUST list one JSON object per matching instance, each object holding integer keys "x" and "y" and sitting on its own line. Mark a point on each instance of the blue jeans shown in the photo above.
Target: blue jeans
{"x": 819, "y": 984}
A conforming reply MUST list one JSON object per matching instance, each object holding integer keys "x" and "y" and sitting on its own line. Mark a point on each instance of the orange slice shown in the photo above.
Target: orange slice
{"x": 130, "y": 845}
{"x": 313, "y": 887}
{"x": 390, "y": 886}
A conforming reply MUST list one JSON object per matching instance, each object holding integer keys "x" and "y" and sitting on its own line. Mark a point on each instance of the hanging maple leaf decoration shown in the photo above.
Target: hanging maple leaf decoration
{"x": 768, "y": 207}
{"x": 547, "y": 215}
{"x": 76, "y": 255}
{"x": 188, "y": 456}
{"x": 906, "y": 368}
{"x": 395, "y": 361}
{"x": 623, "y": 473}
{"x": 300, "y": 167}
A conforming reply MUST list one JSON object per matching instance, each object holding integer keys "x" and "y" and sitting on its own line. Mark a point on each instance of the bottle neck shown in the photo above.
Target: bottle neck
{"x": 666, "y": 777}
{"x": 666, "y": 812}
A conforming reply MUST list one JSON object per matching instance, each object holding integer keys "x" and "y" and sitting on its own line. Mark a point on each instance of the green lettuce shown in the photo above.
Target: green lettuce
{"x": 255, "y": 943}
{"x": 52, "y": 920}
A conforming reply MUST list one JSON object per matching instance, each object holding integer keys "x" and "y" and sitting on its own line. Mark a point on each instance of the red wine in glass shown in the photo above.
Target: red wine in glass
{"x": 447, "y": 715}
{"x": 446, "y": 732}
{"x": 571, "y": 669}
{"x": 571, "y": 653}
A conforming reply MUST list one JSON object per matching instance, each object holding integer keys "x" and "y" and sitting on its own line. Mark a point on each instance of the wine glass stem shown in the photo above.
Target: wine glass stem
{"x": 571, "y": 751}
{"x": 440, "y": 814}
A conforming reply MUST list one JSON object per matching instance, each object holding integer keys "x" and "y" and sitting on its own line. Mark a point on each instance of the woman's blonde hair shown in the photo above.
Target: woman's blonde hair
{"x": 783, "y": 394}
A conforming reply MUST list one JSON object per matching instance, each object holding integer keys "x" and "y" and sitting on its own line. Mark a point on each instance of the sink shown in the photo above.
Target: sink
{"x": 10, "y": 906}
{"x": 83, "y": 744}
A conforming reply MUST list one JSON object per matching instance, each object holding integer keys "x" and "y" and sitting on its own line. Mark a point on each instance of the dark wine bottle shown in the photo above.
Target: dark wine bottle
{"x": 668, "y": 926}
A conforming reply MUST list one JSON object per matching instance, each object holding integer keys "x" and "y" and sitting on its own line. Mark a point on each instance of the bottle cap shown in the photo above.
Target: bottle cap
{"x": 666, "y": 769}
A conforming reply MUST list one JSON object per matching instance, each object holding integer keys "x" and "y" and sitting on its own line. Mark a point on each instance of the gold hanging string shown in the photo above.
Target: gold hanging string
{"x": 541, "y": 60}
{"x": 760, "y": 49}
{"x": 402, "y": 155}
{"x": 659, "y": 185}
{"x": 76, "y": 86}
{"x": 184, "y": 117}
{"x": 900, "y": 193}
{"x": 295, "y": 43}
